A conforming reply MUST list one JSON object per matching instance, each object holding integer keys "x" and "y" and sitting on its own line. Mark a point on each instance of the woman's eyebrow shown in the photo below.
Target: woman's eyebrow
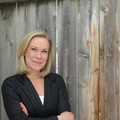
{"x": 43, "y": 48}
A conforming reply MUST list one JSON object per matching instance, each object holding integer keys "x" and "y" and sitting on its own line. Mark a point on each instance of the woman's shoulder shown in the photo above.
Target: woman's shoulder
{"x": 54, "y": 77}
{"x": 13, "y": 78}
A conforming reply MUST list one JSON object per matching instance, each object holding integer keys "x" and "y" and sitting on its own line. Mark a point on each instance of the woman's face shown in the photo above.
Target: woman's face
{"x": 36, "y": 54}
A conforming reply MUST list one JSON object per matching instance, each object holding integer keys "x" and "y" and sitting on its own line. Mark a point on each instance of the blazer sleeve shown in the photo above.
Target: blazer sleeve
{"x": 12, "y": 101}
{"x": 64, "y": 104}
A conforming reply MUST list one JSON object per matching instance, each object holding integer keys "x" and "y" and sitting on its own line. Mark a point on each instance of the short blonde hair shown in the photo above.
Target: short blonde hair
{"x": 22, "y": 68}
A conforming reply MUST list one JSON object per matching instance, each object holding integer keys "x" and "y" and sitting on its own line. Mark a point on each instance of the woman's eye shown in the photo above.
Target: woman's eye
{"x": 45, "y": 51}
{"x": 34, "y": 49}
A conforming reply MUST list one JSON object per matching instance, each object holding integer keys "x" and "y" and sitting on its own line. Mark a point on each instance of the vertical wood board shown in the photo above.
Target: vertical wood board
{"x": 7, "y": 46}
{"x": 67, "y": 49}
{"x": 111, "y": 61}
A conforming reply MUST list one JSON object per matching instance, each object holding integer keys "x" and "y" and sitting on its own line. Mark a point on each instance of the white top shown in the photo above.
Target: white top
{"x": 42, "y": 99}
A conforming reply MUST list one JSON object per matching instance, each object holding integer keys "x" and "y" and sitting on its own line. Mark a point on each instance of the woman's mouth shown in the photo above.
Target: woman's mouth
{"x": 36, "y": 62}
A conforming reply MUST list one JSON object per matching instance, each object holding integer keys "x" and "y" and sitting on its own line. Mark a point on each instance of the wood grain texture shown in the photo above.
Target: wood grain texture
{"x": 110, "y": 60}
{"x": 118, "y": 37}
{"x": 13, "y": 1}
{"x": 7, "y": 46}
{"x": 102, "y": 68}
{"x": 67, "y": 49}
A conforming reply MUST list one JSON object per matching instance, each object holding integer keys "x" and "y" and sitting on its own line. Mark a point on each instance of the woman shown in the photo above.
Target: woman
{"x": 34, "y": 93}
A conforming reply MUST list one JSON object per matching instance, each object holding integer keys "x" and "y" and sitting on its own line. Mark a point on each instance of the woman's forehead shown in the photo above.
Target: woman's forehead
{"x": 39, "y": 42}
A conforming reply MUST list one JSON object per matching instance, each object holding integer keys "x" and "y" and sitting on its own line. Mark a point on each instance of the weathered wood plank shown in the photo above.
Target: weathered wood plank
{"x": 13, "y": 1}
{"x": 88, "y": 64}
{"x": 118, "y": 37}
{"x": 67, "y": 49}
{"x": 94, "y": 86}
{"x": 110, "y": 60}
{"x": 16, "y": 1}
{"x": 26, "y": 19}
{"x": 7, "y": 46}
{"x": 102, "y": 64}
{"x": 84, "y": 47}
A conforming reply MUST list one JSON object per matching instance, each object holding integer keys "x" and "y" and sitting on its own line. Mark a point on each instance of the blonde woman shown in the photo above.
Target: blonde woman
{"x": 34, "y": 93}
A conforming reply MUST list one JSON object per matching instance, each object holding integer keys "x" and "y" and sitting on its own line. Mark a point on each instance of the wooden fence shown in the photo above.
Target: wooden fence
{"x": 86, "y": 35}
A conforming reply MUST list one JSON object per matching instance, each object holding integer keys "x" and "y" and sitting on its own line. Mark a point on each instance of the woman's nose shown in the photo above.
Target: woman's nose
{"x": 39, "y": 55}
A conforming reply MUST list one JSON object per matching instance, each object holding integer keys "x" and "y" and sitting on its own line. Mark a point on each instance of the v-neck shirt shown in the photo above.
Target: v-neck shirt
{"x": 42, "y": 99}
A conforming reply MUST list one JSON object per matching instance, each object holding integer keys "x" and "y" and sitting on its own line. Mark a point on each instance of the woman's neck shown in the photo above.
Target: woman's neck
{"x": 34, "y": 75}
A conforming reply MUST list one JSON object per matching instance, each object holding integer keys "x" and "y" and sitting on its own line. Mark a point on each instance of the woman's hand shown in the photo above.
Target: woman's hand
{"x": 63, "y": 116}
{"x": 66, "y": 116}
{"x": 24, "y": 109}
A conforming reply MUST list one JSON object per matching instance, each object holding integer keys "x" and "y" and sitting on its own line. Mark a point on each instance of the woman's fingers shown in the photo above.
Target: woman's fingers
{"x": 66, "y": 116}
{"x": 24, "y": 109}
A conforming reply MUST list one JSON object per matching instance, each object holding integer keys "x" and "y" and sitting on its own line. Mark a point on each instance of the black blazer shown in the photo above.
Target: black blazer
{"x": 18, "y": 88}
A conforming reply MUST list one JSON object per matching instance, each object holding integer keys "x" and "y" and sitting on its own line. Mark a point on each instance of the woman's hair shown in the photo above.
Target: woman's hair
{"x": 22, "y": 68}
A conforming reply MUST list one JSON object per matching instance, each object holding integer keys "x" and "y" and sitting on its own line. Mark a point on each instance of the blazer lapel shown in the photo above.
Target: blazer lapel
{"x": 33, "y": 96}
{"x": 50, "y": 92}
{"x": 47, "y": 93}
